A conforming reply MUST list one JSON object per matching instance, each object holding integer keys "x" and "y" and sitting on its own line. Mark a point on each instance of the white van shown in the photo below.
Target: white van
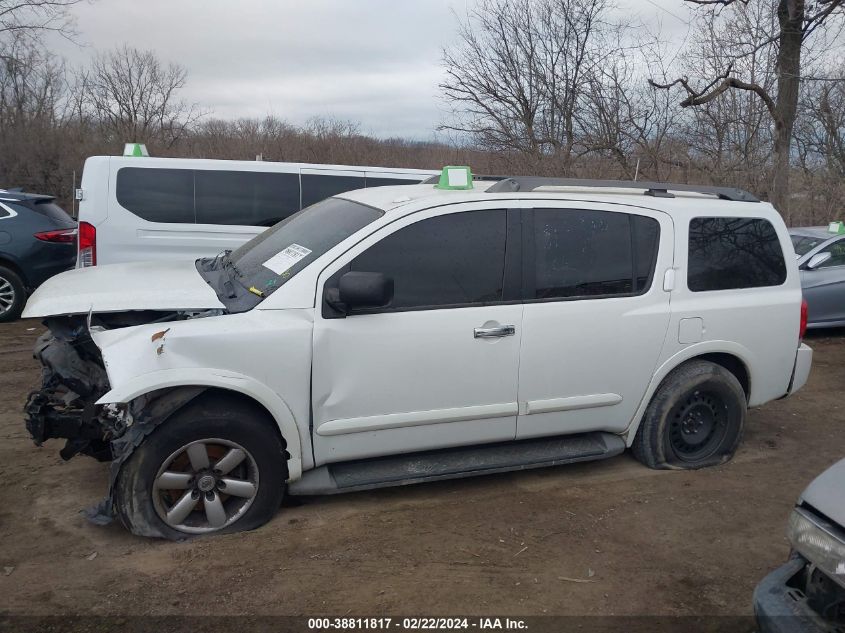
{"x": 406, "y": 334}
{"x": 135, "y": 208}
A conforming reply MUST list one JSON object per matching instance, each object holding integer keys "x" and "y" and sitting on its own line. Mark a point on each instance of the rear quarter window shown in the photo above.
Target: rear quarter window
{"x": 53, "y": 211}
{"x": 734, "y": 253}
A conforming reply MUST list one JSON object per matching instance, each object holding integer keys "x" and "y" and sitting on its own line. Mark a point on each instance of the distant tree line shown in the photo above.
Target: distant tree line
{"x": 755, "y": 98}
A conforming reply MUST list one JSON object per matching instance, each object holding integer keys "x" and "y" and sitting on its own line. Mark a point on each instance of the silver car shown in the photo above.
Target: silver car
{"x": 821, "y": 259}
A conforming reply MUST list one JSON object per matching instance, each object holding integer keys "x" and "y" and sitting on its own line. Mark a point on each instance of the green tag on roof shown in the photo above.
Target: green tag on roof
{"x": 135, "y": 149}
{"x": 455, "y": 178}
{"x": 836, "y": 227}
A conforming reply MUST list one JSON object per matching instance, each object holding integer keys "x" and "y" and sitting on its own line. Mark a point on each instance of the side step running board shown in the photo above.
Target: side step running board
{"x": 451, "y": 463}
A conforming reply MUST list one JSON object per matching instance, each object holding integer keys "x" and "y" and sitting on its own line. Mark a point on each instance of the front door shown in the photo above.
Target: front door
{"x": 438, "y": 366}
{"x": 596, "y": 315}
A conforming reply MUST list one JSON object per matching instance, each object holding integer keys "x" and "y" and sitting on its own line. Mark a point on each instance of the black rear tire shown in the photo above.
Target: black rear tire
{"x": 694, "y": 420}
{"x": 12, "y": 305}
{"x": 236, "y": 422}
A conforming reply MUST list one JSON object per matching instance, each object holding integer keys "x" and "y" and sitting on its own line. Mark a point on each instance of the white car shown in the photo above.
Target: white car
{"x": 404, "y": 334}
{"x": 135, "y": 208}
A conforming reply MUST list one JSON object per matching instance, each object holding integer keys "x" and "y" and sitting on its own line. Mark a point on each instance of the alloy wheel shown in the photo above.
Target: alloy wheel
{"x": 205, "y": 486}
{"x": 7, "y": 295}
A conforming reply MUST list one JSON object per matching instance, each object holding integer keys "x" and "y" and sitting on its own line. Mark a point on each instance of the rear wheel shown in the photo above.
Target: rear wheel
{"x": 12, "y": 295}
{"x": 211, "y": 467}
{"x": 694, "y": 420}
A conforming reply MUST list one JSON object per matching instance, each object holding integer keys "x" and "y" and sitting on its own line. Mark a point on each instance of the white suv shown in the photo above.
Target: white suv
{"x": 405, "y": 334}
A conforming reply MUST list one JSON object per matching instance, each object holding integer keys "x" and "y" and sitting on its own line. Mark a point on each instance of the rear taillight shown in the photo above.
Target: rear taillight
{"x": 62, "y": 236}
{"x": 802, "y": 330}
{"x": 87, "y": 245}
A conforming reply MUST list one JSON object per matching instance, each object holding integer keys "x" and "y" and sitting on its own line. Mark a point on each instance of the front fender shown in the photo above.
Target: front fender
{"x": 209, "y": 377}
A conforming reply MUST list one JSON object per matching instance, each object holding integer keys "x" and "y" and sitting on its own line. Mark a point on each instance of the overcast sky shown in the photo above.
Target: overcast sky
{"x": 376, "y": 62}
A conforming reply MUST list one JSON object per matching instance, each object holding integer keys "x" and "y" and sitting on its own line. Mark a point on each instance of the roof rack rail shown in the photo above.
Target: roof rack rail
{"x": 654, "y": 189}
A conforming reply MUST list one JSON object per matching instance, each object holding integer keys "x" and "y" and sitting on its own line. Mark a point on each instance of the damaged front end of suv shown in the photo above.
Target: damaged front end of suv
{"x": 75, "y": 371}
{"x": 73, "y": 378}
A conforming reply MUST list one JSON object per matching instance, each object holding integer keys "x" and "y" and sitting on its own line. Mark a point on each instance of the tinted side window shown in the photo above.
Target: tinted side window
{"x": 243, "y": 197}
{"x": 588, "y": 253}
{"x": 317, "y": 187}
{"x": 646, "y": 236}
{"x": 386, "y": 182}
{"x": 453, "y": 259}
{"x": 728, "y": 253}
{"x": 157, "y": 195}
{"x": 837, "y": 251}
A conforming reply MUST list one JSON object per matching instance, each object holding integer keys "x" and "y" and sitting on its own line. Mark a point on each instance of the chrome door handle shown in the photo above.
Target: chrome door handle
{"x": 494, "y": 332}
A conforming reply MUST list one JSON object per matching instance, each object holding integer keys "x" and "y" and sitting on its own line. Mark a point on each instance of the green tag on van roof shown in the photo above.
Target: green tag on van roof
{"x": 135, "y": 149}
{"x": 454, "y": 177}
{"x": 836, "y": 227}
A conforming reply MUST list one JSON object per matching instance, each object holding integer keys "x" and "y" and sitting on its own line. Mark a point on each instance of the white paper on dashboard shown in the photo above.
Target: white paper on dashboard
{"x": 283, "y": 261}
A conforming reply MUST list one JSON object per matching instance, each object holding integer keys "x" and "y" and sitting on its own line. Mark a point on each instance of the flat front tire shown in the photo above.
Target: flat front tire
{"x": 694, "y": 420}
{"x": 213, "y": 467}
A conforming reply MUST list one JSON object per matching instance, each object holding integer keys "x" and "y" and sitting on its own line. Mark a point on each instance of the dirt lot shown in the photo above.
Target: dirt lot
{"x": 648, "y": 542}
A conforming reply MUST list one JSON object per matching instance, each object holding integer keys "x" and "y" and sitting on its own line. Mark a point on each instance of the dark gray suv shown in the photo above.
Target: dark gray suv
{"x": 37, "y": 240}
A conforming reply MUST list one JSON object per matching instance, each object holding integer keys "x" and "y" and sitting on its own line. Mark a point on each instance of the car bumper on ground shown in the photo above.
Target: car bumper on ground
{"x": 780, "y": 608}
{"x": 801, "y": 371}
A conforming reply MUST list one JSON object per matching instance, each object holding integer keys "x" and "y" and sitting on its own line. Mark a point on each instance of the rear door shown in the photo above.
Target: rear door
{"x": 595, "y": 315}
{"x": 824, "y": 287}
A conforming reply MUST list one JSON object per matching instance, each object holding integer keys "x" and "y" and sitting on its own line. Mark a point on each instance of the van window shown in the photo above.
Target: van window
{"x": 387, "y": 182}
{"x": 582, "y": 254}
{"x": 449, "y": 260}
{"x": 316, "y": 187}
{"x": 189, "y": 196}
{"x": 157, "y": 195}
{"x": 245, "y": 197}
{"x": 730, "y": 253}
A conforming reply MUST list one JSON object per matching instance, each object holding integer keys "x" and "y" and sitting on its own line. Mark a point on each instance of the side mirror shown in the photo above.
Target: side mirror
{"x": 818, "y": 259}
{"x": 365, "y": 290}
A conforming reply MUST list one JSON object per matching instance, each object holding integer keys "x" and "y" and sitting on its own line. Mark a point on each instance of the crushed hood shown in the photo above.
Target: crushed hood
{"x": 164, "y": 286}
{"x": 826, "y": 493}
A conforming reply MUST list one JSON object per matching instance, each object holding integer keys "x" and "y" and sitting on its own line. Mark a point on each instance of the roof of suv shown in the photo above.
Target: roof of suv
{"x": 394, "y": 198}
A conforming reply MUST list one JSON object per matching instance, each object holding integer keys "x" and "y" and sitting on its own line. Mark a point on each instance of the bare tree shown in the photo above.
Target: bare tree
{"x": 29, "y": 18}
{"x": 794, "y": 21}
{"x": 134, "y": 97}
{"x": 519, "y": 78}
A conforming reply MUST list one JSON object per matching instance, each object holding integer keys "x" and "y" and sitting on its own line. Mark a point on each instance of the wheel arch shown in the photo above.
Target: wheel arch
{"x": 15, "y": 267}
{"x": 732, "y": 356}
{"x": 236, "y": 385}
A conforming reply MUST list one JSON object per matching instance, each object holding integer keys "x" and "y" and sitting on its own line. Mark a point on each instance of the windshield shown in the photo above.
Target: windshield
{"x": 254, "y": 271}
{"x": 803, "y": 244}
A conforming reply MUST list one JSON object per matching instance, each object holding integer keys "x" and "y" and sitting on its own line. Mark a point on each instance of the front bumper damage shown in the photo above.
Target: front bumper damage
{"x": 73, "y": 378}
{"x": 65, "y": 406}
